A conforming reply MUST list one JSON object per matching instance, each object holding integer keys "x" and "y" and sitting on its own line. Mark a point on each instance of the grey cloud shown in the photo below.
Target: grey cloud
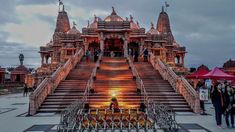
{"x": 203, "y": 26}
{"x": 10, "y": 52}
{"x": 33, "y": 2}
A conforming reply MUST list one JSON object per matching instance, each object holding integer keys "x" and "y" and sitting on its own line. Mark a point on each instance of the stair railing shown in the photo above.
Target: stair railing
{"x": 139, "y": 81}
{"x": 69, "y": 115}
{"x": 179, "y": 83}
{"x": 90, "y": 82}
{"x": 48, "y": 85}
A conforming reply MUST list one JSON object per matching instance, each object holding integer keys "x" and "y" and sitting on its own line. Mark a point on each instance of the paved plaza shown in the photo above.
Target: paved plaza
{"x": 13, "y": 109}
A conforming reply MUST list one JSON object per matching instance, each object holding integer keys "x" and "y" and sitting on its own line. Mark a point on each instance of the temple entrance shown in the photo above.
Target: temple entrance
{"x": 115, "y": 45}
{"x": 132, "y": 48}
{"x": 93, "y": 46}
{"x": 17, "y": 78}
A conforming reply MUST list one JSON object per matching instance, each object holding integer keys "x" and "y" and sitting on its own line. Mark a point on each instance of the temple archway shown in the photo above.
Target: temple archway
{"x": 93, "y": 46}
{"x": 115, "y": 45}
{"x": 133, "y": 47}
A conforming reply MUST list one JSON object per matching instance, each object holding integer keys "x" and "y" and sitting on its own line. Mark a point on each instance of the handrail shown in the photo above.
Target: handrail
{"x": 90, "y": 82}
{"x": 49, "y": 84}
{"x": 139, "y": 81}
{"x": 179, "y": 83}
{"x": 68, "y": 116}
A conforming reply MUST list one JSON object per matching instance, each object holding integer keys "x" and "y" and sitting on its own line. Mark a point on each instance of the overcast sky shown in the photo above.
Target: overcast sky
{"x": 205, "y": 27}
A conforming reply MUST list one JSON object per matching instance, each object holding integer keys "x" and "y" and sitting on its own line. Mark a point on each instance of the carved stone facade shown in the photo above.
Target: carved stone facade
{"x": 122, "y": 36}
{"x": 229, "y": 67}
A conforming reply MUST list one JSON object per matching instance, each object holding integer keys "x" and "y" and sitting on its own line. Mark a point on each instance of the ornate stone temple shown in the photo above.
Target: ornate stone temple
{"x": 112, "y": 33}
{"x": 19, "y": 73}
{"x": 65, "y": 77}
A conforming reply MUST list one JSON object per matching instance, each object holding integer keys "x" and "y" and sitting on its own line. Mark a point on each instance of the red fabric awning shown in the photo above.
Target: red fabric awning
{"x": 216, "y": 74}
{"x": 197, "y": 74}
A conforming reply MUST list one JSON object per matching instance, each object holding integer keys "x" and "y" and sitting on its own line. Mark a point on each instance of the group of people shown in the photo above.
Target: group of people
{"x": 135, "y": 54}
{"x": 88, "y": 55}
{"x": 222, "y": 95}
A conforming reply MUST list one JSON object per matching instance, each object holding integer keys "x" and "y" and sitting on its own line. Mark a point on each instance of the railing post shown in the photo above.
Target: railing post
{"x": 197, "y": 105}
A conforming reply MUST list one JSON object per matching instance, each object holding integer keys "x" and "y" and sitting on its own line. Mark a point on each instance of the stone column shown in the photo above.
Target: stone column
{"x": 141, "y": 45}
{"x": 85, "y": 45}
{"x": 125, "y": 48}
{"x": 102, "y": 42}
{"x": 102, "y": 45}
{"x": 42, "y": 59}
{"x": 125, "y": 45}
{"x": 182, "y": 60}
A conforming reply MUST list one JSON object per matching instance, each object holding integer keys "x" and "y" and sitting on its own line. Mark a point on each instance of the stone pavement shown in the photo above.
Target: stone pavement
{"x": 13, "y": 109}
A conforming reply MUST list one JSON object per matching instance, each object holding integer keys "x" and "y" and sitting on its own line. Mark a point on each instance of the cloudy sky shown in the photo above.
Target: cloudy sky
{"x": 205, "y": 27}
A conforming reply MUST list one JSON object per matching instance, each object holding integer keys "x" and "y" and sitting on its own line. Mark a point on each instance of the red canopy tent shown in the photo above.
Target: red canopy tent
{"x": 197, "y": 74}
{"x": 217, "y": 74}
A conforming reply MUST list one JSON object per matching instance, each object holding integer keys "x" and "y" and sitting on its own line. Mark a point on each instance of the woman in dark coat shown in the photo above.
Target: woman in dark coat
{"x": 229, "y": 103}
{"x": 136, "y": 56}
{"x": 217, "y": 100}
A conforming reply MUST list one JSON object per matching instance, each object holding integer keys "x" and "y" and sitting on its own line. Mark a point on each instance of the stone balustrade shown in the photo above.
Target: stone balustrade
{"x": 180, "y": 84}
{"x": 48, "y": 85}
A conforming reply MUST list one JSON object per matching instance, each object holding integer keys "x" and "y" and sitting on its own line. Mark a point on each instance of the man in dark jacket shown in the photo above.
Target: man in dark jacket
{"x": 217, "y": 100}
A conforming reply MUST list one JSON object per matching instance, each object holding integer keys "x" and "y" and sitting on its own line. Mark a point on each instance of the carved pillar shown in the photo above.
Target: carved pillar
{"x": 85, "y": 45}
{"x": 102, "y": 42}
{"x": 125, "y": 48}
{"x": 141, "y": 45}
{"x": 125, "y": 45}
{"x": 182, "y": 60}
{"x": 42, "y": 59}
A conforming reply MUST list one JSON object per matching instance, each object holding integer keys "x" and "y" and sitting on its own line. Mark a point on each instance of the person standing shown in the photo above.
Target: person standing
{"x": 146, "y": 53}
{"x": 96, "y": 55}
{"x": 88, "y": 55}
{"x": 217, "y": 101}
{"x": 25, "y": 90}
{"x": 229, "y": 102}
{"x": 136, "y": 56}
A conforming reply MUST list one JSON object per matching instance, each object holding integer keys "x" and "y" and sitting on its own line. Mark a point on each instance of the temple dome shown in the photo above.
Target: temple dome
{"x": 152, "y": 30}
{"x": 113, "y": 17}
{"x": 73, "y": 30}
{"x": 229, "y": 63}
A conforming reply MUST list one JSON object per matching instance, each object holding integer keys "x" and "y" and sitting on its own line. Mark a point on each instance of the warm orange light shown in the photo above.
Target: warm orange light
{"x": 114, "y": 94}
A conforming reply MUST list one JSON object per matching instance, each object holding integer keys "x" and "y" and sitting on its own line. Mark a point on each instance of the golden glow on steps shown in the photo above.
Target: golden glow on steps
{"x": 114, "y": 79}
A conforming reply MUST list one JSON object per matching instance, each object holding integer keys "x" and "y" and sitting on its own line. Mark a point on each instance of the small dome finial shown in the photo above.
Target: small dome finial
{"x": 88, "y": 23}
{"x": 74, "y": 24}
{"x": 61, "y": 6}
{"x": 152, "y": 25}
{"x": 95, "y": 17}
{"x": 127, "y": 19}
{"x": 163, "y": 9}
{"x": 113, "y": 11}
{"x": 131, "y": 17}
{"x": 137, "y": 23}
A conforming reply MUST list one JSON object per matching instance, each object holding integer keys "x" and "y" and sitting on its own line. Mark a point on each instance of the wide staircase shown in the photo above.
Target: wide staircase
{"x": 69, "y": 90}
{"x": 159, "y": 90}
{"x": 114, "y": 79}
